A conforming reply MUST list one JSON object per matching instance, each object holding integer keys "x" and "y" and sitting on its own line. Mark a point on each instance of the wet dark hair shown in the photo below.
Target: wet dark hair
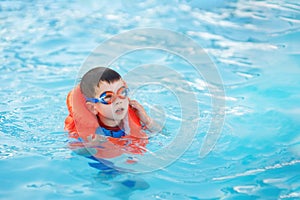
{"x": 91, "y": 79}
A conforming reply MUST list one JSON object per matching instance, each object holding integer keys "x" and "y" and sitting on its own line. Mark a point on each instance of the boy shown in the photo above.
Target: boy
{"x": 100, "y": 110}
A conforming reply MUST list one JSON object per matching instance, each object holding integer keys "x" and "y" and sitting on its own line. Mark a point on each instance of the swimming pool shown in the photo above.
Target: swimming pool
{"x": 254, "y": 47}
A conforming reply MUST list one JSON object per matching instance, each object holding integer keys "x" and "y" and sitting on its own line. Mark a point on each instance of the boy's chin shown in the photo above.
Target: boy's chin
{"x": 120, "y": 116}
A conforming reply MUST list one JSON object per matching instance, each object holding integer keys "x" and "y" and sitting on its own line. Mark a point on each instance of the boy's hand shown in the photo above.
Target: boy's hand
{"x": 140, "y": 111}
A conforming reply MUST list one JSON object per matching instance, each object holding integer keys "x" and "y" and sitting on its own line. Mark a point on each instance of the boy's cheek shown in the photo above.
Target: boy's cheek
{"x": 107, "y": 112}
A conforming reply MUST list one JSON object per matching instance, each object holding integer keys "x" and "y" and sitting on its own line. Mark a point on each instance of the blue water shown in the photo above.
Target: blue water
{"x": 254, "y": 45}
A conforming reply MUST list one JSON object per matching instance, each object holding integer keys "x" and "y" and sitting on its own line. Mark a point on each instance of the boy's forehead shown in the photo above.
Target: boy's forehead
{"x": 105, "y": 86}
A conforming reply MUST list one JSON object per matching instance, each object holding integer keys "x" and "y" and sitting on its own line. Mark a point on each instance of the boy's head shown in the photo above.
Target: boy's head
{"x": 106, "y": 94}
{"x": 91, "y": 80}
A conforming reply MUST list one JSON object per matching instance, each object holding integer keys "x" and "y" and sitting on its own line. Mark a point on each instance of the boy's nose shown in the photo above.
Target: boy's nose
{"x": 118, "y": 101}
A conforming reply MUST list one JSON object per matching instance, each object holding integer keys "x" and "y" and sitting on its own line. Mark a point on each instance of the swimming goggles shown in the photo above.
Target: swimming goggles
{"x": 108, "y": 97}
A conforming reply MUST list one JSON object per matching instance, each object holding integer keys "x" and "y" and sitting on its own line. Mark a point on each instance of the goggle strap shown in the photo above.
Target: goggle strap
{"x": 93, "y": 100}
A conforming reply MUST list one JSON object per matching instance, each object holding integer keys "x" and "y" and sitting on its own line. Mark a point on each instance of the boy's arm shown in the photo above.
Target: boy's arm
{"x": 147, "y": 121}
{"x": 153, "y": 126}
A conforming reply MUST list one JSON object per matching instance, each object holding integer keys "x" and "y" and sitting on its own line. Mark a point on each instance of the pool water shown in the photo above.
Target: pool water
{"x": 254, "y": 45}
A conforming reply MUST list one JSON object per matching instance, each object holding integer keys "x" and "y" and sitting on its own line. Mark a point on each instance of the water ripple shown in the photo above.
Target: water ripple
{"x": 254, "y": 46}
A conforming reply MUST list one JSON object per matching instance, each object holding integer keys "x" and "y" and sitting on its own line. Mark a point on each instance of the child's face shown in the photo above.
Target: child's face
{"x": 117, "y": 110}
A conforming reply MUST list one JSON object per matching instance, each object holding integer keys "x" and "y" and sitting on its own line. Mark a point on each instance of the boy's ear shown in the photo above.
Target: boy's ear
{"x": 91, "y": 107}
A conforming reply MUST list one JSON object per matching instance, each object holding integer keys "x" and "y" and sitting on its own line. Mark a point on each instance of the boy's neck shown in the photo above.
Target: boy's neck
{"x": 108, "y": 122}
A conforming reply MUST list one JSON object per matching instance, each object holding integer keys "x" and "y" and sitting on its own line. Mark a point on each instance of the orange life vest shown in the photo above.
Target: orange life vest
{"x": 82, "y": 124}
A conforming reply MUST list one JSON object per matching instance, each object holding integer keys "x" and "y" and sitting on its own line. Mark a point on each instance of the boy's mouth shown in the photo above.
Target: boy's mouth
{"x": 119, "y": 111}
